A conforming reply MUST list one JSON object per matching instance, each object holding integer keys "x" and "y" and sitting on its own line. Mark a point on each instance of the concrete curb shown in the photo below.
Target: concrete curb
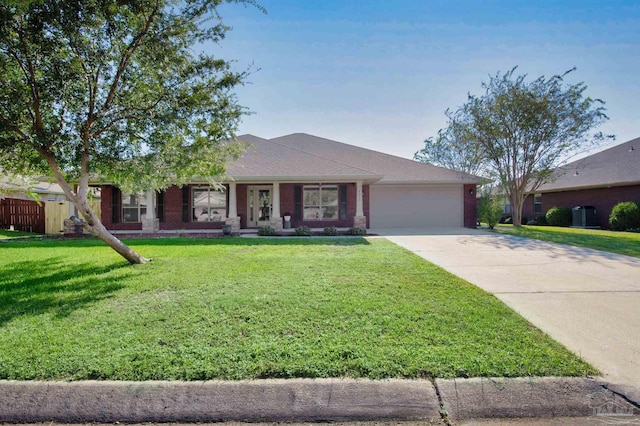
{"x": 212, "y": 401}
{"x": 482, "y": 398}
{"x": 305, "y": 400}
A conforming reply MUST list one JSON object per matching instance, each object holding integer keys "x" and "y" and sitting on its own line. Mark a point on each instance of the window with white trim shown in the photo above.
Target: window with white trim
{"x": 134, "y": 207}
{"x": 320, "y": 202}
{"x": 208, "y": 205}
{"x": 537, "y": 203}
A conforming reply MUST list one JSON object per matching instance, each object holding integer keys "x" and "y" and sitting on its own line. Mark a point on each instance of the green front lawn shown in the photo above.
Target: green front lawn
{"x": 615, "y": 242}
{"x": 242, "y": 308}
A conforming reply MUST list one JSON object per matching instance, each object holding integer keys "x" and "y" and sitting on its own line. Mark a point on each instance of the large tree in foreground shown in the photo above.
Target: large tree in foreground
{"x": 524, "y": 129}
{"x": 115, "y": 89}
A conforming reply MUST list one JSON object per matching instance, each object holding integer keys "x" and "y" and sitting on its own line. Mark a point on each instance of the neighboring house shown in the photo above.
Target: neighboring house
{"x": 44, "y": 215}
{"x": 601, "y": 180}
{"x": 317, "y": 181}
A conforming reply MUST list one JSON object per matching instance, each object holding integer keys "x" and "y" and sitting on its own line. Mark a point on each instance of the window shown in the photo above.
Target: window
{"x": 537, "y": 203}
{"x": 134, "y": 206}
{"x": 320, "y": 202}
{"x": 209, "y": 205}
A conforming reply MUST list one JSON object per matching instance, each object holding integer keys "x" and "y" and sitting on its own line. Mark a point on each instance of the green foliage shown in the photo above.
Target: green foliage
{"x": 489, "y": 210}
{"x": 524, "y": 129}
{"x": 331, "y": 231}
{"x": 559, "y": 216}
{"x": 356, "y": 231}
{"x": 118, "y": 91}
{"x": 541, "y": 220}
{"x": 625, "y": 216}
{"x": 450, "y": 149}
{"x": 277, "y": 308}
{"x": 303, "y": 231}
{"x": 266, "y": 231}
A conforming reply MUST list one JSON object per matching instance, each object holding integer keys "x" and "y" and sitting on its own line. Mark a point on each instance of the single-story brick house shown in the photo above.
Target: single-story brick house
{"x": 601, "y": 180}
{"x": 318, "y": 182}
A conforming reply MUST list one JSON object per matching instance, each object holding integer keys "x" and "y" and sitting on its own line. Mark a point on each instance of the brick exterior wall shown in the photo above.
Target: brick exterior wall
{"x": 106, "y": 197}
{"x": 173, "y": 209}
{"x": 603, "y": 199}
{"x": 470, "y": 206}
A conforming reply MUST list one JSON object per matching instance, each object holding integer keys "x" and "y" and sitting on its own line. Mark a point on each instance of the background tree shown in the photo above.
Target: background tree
{"x": 524, "y": 129}
{"x": 115, "y": 89}
{"x": 450, "y": 149}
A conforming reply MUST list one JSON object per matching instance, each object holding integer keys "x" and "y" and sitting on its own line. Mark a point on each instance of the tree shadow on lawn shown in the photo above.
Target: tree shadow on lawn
{"x": 191, "y": 241}
{"x": 555, "y": 250}
{"x": 54, "y": 287}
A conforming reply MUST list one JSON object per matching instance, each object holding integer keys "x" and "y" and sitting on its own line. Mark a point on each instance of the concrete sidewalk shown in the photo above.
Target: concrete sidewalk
{"x": 586, "y": 299}
{"x": 307, "y": 400}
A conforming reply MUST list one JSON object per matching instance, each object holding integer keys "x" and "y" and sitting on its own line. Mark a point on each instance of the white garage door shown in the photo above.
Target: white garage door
{"x": 415, "y": 206}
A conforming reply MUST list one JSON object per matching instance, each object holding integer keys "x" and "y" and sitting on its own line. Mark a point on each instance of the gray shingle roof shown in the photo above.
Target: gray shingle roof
{"x": 616, "y": 166}
{"x": 392, "y": 169}
{"x": 265, "y": 159}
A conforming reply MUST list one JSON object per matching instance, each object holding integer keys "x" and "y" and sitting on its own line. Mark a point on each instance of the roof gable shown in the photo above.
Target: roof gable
{"x": 393, "y": 169}
{"x": 264, "y": 159}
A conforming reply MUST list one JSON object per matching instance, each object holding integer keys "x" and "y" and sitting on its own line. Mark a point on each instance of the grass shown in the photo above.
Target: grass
{"x": 627, "y": 243}
{"x": 242, "y": 308}
{"x": 5, "y": 234}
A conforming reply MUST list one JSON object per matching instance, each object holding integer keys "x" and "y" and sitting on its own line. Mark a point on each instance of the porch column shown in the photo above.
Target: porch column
{"x": 359, "y": 221}
{"x": 276, "y": 219}
{"x": 150, "y": 223}
{"x": 232, "y": 217}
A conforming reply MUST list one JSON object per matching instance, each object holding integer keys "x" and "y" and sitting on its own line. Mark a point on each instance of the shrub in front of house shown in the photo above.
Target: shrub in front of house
{"x": 559, "y": 216}
{"x": 303, "y": 231}
{"x": 540, "y": 221}
{"x": 625, "y": 215}
{"x": 356, "y": 231}
{"x": 489, "y": 210}
{"x": 266, "y": 231}
{"x": 331, "y": 231}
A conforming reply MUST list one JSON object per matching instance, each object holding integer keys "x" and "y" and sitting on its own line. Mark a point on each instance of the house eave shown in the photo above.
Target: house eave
{"x": 585, "y": 187}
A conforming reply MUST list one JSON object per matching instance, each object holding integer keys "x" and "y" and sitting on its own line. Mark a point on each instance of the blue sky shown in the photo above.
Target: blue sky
{"x": 380, "y": 74}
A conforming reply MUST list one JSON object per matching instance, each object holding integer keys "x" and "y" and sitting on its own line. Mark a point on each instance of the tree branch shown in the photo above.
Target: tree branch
{"x": 126, "y": 57}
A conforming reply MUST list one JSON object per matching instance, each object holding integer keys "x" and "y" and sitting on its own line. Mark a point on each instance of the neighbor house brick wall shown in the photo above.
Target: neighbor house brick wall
{"x": 603, "y": 199}
{"x": 470, "y": 206}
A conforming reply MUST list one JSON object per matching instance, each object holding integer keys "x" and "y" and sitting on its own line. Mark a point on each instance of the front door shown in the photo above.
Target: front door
{"x": 259, "y": 208}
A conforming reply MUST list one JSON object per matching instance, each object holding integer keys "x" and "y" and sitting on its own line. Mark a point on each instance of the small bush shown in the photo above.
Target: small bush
{"x": 303, "y": 231}
{"x": 541, "y": 221}
{"x": 266, "y": 231}
{"x": 356, "y": 231}
{"x": 625, "y": 216}
{"x": 489, "y": 210}
{"x": 331, "y": 231}
{"x": 559, "y": 216}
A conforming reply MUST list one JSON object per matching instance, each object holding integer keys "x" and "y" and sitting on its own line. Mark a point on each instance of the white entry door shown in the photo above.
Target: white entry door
{"x": 259, "y": 206}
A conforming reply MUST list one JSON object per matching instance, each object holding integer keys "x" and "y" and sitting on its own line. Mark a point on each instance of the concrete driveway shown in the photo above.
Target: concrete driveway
{"x": 586, "y": 299}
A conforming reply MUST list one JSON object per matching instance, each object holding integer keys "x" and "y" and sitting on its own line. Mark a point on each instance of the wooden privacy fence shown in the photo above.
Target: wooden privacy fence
{"x": 28, "y": 216}
{"x": 23, "y": 215}
{"x": 57, "y": 211}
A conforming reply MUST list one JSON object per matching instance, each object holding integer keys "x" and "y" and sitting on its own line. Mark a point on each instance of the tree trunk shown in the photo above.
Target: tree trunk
{"x": 516, "y": 209}
{"x": 94, "y": 225}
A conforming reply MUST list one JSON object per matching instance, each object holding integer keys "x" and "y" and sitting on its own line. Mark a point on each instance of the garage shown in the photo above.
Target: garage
{"x": 416, "y": 206}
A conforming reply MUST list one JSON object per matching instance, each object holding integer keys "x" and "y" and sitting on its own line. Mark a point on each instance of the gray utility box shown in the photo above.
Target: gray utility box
{"x": 584, "y": 217}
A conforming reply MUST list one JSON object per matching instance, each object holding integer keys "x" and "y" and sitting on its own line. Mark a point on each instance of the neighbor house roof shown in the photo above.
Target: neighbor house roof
{"x": 616, "y": 166}
{"x": 391, "y": 169}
